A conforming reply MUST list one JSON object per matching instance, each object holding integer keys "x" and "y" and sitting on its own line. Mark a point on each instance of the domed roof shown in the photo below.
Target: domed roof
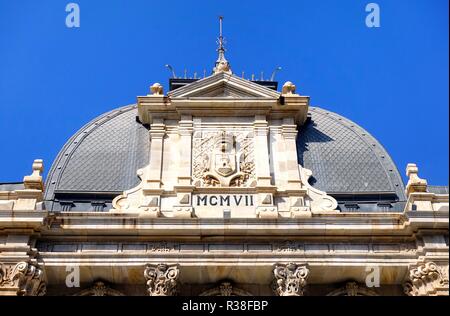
{"x": 104, "y": 155}
{"x": 344, "y": 157}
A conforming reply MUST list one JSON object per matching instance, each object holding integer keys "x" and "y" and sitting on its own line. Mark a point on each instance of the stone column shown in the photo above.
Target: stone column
{"x": 290, "y": 279}
{"x": 427, "y": 279}
{"x": 162, "y": 279}
{"x": 294, "y": 187}
{"x": 21, "y": 279}
{"x": 184, "y": 188}
{"x": 152, "y": 187}
{"x": 157, "y": 133}
{"x": 266, "y": 208}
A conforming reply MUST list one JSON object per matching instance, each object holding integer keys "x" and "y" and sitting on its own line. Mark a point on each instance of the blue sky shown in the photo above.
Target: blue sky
{"x": 391, "y": 80}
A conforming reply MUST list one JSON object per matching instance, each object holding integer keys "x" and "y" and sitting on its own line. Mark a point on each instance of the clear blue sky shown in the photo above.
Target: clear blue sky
{"x": 391, "y": 80}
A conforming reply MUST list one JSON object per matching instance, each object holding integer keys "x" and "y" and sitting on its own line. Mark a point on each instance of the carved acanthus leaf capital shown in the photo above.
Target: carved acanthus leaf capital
{"x": 428, "y": 279}
{"x": 161, "y": 279}
{"x": 290, "y": 279}
{"x": 23, "y": 278}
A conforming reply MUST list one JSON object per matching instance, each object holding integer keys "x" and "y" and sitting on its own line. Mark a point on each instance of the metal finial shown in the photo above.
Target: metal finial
{"x": 171, "y": 70}
{"x": 272, "y": 78}
{"x": 222, "y": 64}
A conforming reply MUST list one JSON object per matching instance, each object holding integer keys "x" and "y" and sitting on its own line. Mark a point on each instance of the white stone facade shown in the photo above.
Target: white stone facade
{"x": 223, "y": 208}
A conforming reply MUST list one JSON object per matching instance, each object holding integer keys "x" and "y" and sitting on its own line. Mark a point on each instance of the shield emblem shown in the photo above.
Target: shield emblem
{"x": 225, "y": 164}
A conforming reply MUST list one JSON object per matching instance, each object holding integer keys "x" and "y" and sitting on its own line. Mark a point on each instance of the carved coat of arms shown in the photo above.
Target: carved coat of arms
{"x": 223, "y": 159}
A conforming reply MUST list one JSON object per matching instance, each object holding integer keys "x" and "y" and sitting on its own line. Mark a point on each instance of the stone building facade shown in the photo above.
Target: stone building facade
{"x": 223, "y": 186}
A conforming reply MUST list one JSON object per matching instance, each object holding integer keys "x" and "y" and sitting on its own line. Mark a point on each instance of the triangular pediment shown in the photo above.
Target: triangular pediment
{"x": 223, "y": 85}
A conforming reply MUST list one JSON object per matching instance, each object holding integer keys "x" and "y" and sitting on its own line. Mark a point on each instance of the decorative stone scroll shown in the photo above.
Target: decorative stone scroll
{"x": 162, "y": 279}
{"x": 428, "y": 279}
{"x": 290, "y": 279}
{"x": 22, "y": 279}
{"x": 319, "y": 200}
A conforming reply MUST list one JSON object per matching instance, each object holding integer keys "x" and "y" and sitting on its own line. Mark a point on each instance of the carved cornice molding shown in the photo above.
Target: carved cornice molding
{"x": 428, "y": 279}
{"x": 23, "y": 279}
{"x": 290, "y": 279}
{"x": 162, "y": 279}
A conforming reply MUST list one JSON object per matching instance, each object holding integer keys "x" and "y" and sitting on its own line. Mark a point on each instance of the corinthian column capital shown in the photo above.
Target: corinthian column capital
{"x": 290, "y": 279}
{"x": 428, "y": 279}
{"x": 162, "y": 279}
{"x": 22, "y": 279}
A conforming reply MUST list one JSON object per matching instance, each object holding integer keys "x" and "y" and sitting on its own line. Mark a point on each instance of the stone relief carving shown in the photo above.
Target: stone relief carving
{"x": 353, "y": 289}
{"x": 99, "y": 289}
{"x": 162, "y": 279}
{"x": 24, "y": 278}
{"x": 290, "y": 279}
{"x": 223, "y": 159}
{"x": 427, "y": 279}
{"x": 225, "y": 288}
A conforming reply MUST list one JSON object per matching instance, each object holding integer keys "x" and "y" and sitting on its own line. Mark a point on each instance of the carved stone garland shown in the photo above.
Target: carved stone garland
{"x": 290, "y": 279}
{"x": 23, "y": 278}
{"x": 161, "y": 279}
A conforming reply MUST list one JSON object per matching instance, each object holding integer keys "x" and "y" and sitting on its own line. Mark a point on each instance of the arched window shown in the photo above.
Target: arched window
{"x": 353, "y": 289}
{"x": 99, "y": 289}
{"x": 225, "y": 288}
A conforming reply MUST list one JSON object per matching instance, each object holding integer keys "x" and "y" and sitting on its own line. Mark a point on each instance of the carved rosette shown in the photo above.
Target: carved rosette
{"x": 23, "y": 278}
{"x": 290, "y": 279}
{"x": 162, "y": 279}
{"x": 428, "y": 279}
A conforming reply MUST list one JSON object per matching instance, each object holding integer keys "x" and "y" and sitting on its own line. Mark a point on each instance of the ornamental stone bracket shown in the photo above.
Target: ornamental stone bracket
{"x": 22, "y": 279}
{"x": 427, "y": 279}
{"x": 162, "y": 279}
{"x": 290, "y": 279}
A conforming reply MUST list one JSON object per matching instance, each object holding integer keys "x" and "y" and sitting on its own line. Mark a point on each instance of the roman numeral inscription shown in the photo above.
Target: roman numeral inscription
{"x": 225, "y": 200}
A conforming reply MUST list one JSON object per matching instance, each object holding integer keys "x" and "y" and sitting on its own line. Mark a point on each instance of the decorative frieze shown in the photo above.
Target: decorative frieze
{"x": 22, "y": 279}
{"x": 162, "y": 279}
{"x": 290, "y": 279}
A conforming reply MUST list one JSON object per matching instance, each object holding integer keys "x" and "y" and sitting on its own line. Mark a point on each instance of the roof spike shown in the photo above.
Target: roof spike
{"x": 222, "y": 64}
